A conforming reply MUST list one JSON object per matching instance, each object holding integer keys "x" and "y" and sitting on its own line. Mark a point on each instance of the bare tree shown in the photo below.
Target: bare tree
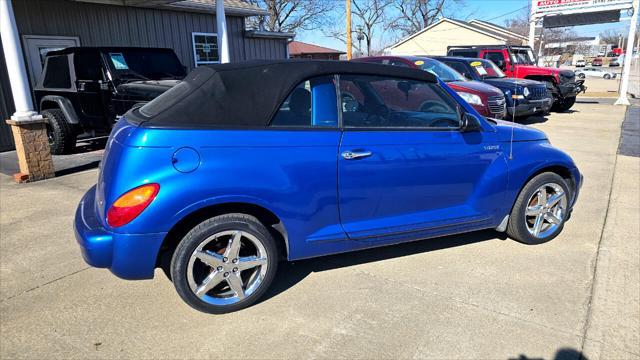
{"x": 415, "y": 15}
{"x": 518, "y": 24}
{"x": 291, "y": 15}
{"x": 367, "y": 17}
{"x": 610, "y": 37}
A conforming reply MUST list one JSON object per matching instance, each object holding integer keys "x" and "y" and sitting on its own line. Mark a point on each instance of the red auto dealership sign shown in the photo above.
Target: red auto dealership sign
{"x": 573, "y": 6}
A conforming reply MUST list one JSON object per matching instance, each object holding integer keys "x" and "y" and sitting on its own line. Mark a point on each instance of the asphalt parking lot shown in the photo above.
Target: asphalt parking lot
{"x": 471, "y": 296}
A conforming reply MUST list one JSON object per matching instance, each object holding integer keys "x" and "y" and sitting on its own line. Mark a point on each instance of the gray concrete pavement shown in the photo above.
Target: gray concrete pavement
{"x": 469, "y": 296}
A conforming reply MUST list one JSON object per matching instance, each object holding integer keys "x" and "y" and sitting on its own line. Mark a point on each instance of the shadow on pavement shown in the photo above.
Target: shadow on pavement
{"x": 87, "y": 155}
{"x": 291, "y": 273}
{"x": 561, "y": 354}
{"x": 536, "y": 119}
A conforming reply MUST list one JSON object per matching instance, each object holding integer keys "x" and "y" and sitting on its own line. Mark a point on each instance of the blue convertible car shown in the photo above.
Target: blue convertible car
{"x": 242, "y": 165}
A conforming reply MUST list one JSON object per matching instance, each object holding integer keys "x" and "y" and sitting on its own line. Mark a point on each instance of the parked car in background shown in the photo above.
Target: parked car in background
{"x": 616, "y": 61}
{"x": 486, "y": 99}
{"x": 596, "y": 62}
{"x": 580, "y": 63}
{"x": 348, "y": 158}
{"x": 595, "y": 72}
{"x": 520, "y": 62}
{"x": 524, "y": 97}
{"x": 83, "y": 90}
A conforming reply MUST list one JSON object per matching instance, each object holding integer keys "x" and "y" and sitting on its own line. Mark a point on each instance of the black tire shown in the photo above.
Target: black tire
{"x": 563, "y": 104}
{"x": 62, "y": 135}
{"x": 581, "y": 76}
{"x": 517, "y": 227}
{"x": 607, "y": 76}
{"x": 204, "y": 230}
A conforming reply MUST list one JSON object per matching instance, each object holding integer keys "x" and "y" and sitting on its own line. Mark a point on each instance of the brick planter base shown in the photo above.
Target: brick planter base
{"x": 32, "y": 146}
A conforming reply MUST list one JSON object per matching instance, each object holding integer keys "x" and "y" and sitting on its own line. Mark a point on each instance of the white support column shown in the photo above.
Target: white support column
{"x": 223, "y": 39}
{"x": 15, "y": 65}
{"x": 626, "y": 71}
{"x": 532, "y": 33}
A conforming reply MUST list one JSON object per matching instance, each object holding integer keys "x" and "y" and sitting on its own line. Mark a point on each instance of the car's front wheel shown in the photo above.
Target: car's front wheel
{"x": 607, "y": 76}
{"x": 540, "y": 210}
{"x": 224, "y": 264}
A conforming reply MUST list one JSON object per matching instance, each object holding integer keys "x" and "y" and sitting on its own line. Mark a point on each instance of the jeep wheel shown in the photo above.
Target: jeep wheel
{"x": 61, "y": 134}
{"x": 562, "y": 105}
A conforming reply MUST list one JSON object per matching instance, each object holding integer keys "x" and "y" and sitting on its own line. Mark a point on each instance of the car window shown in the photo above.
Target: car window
{"x": 459, "y": 67}
{"x": 311, "y": 104}
{"x": 87, "y": 65}
{"x": 494, "y": 56}
{"x": 387, "y": 102}
{"x": 463, "y": 53}
{"x": 56, "y": 75}
{"x": 399, "y": 63}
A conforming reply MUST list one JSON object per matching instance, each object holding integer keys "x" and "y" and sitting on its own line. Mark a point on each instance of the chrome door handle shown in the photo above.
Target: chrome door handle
{"x": 352, "y": 155}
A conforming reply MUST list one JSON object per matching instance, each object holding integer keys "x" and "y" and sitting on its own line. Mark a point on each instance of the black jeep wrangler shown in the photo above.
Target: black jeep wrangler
{"x": 83, "y": 90}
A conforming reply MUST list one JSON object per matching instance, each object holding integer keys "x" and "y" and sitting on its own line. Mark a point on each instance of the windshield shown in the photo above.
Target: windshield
{"x": 486, "y": 69}
{"x": 522, "y": 56}
{"x": 440, "y": 70}
{"x": 145, "y": 64}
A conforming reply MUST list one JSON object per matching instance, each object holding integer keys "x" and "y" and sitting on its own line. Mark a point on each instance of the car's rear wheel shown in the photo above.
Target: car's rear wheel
{"x": 607, "y": 76}
{"x": 224, "y": 264}
{"x": 61, "y": 134}
{"x": 540, "y": 210}
{"x": 562, "y": 105}
{"x": 582, "y": 76}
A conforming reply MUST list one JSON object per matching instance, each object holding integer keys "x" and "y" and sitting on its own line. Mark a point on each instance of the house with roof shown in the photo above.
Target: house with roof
{"x": 434, "y": 39}
{"x": 302, "y": 50}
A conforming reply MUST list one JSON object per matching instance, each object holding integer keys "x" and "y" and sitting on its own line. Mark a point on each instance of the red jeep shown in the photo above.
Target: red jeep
{"x": 519, "y": 62}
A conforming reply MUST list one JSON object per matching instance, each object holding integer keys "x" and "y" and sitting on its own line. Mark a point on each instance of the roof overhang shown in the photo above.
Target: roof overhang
{"x": 269, "y": 34}
{"x": 200, "y": 6}
{"x": 495, "y": 28}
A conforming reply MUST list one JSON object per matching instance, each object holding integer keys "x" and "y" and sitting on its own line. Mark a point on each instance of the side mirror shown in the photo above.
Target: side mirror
{"x": 467, "y": 76}
{"x": 470, "y": 123}
{"x": 405, "y": 87}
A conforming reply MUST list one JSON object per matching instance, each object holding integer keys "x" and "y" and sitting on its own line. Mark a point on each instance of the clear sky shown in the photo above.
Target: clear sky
{"x": 496, "y": 11}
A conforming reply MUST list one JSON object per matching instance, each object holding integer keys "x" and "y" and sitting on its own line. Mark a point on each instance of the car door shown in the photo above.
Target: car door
{"x": 404, "y": 164}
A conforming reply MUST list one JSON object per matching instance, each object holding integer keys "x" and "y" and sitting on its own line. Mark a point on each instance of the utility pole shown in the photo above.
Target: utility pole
{"x": 349, "y": 53}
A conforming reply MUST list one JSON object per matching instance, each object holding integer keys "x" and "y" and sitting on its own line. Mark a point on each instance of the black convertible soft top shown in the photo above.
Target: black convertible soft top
{"x": 246, "y": 94}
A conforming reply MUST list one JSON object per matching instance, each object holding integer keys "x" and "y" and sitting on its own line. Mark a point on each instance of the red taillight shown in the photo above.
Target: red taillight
{"x": 131, "y": 204}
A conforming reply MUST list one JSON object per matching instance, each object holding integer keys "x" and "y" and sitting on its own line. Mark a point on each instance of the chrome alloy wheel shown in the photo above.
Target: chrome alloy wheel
{"x": 227, "y": 267}
{"x": 546, "y": 210}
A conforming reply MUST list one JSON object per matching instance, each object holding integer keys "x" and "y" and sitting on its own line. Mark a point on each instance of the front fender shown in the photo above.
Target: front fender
{"x": 530, "y": 158}
{"x": 64, "y": 104}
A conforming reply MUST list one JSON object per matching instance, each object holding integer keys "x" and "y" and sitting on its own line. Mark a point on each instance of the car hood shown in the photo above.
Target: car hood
{"x": 145, "y": 90}
{"x": 475, "y": 87}
{"x": 527, "y": 70}
{"x": 511, "y": 83}
{"x": 520, "y": 132}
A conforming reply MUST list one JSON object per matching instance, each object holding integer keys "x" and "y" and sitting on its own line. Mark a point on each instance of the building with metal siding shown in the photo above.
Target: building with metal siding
{"x": 111, "y": 23}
